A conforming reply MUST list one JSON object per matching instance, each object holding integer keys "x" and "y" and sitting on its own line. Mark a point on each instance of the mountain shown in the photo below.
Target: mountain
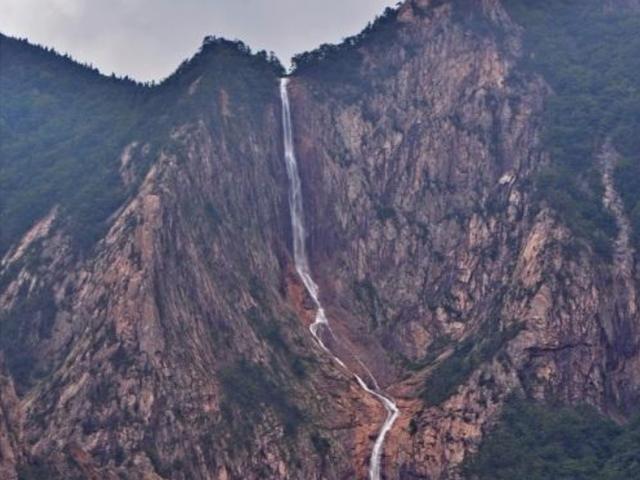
{"x": 468, "y": 182}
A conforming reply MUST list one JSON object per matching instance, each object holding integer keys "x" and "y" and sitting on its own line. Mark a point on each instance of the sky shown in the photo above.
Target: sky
{"x": 147, "y": 39}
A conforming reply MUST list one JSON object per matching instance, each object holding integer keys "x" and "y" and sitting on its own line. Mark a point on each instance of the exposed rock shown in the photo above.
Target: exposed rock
{"x": 11, "y": 442}
{"x": 178, "y": 346}
{"x": 183, "y": 295}
{"x": 425, "y": 232}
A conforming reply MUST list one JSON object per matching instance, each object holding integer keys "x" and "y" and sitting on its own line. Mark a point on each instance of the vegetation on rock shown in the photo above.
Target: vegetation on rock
{"x": 468, "y": 355}
{"x": 589, "y": 57}
{"x": 248, "y": 386}
{"x": 537, "y": 442}
{"x": 64, "y": 127}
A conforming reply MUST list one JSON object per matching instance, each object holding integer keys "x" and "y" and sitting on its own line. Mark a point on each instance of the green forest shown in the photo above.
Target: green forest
{"x": 542, "y": 442}
{"x": 591, "y": 59}
{"x": 64, "y": 126}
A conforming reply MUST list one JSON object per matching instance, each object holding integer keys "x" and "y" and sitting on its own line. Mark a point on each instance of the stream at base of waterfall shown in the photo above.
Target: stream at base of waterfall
{"x": 302, "y": 267}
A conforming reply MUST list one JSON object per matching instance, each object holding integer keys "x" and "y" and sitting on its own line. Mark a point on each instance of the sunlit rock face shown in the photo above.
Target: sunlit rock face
{"x": 419, "y": 158}
{"x": 177, "y": 345}
{"x": 171, "y": 349}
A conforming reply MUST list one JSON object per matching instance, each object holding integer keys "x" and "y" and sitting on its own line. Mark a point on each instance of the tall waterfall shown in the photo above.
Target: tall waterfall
{"x": 302, "y": 267}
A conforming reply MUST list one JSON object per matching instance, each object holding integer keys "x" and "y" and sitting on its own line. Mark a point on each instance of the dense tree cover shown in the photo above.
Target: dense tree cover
{"x": 64, "y": 125}
{"x": 590, "y": 57}
{"x": 341, "y": 63}
{"x": 544, "y": 442}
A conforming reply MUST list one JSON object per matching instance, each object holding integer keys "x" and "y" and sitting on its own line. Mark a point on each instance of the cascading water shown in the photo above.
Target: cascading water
{"x": 302, "y": 267}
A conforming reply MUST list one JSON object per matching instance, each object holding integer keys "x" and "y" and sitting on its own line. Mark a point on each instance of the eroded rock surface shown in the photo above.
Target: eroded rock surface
{"x": 419, "y": 176}
{"x": 177, "y": 347}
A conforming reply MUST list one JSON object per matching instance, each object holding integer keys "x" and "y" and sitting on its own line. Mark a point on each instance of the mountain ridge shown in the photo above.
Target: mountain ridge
{"x": 176, "y": 345}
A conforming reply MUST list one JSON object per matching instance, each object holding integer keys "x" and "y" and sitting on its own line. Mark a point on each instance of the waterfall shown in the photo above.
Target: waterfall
{"x": 301, "y": 261}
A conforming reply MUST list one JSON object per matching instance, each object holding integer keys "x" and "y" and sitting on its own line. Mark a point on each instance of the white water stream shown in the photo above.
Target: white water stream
{"x": 302, "y": 267}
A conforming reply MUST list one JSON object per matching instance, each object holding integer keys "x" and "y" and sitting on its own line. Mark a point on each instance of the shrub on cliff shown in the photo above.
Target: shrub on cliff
{"x": 540, "y": 442}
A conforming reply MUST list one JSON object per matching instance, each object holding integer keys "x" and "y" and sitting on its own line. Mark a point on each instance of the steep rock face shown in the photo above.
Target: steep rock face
{"x": 418, "y": 162}
{"x": 620, "y": 323}
{"x": 172, "y": 348}
{"x": 10, "y": 433}
{"x": 177, "y": 346}
{"x": 404, "y": 174}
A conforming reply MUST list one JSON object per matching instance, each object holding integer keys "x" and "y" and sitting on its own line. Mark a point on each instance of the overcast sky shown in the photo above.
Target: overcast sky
{"x": 147, "y": 39}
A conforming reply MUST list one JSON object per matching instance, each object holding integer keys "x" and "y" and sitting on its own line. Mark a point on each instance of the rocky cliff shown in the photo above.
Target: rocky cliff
{"x": 170, "y": 349}
{"x": 434, "y": 252}
{"x": 176, "y": 345}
